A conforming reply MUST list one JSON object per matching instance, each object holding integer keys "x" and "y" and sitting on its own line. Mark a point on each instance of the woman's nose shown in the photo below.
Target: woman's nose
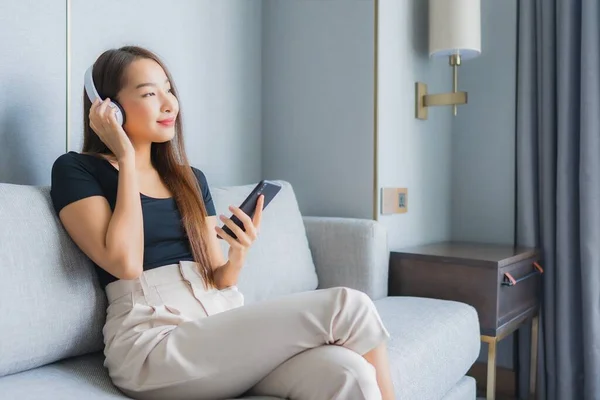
{"x": 168, "y": 105}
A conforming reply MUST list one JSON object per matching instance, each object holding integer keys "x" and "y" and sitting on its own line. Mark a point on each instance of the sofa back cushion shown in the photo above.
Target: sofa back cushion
{"x": 51, "y": 305}
{"x": 279, "y": 262}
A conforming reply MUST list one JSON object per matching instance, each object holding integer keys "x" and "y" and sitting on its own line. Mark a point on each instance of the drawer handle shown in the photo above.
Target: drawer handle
{"x": 510, "y": 281}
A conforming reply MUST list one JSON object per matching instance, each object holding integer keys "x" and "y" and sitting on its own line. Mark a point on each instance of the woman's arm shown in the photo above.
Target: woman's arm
{"x": 225, "y": 274}
{"x": 114, "y": 241}
{"x": 125, "y": 233}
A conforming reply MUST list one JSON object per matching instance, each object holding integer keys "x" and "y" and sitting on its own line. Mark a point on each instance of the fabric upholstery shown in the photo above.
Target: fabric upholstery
{"x": 77, "y": 378}
{"x": 53, "y": 308}
{"x": 72, "y": 379}
{"x": 51, "y": 304}
{"x": 85, "y": 377}
{"x": 433, "y": 344}
{"x": 350, "y": 252}
{"x": 465, "y": 389}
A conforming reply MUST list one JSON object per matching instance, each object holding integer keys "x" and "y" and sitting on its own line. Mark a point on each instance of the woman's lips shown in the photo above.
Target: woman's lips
{"x": 167, "y": 122}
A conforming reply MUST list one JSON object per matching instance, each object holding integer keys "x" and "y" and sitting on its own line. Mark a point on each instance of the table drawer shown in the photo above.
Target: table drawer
{"x": 518, "y": 288}
{"x": 472, "y": 273}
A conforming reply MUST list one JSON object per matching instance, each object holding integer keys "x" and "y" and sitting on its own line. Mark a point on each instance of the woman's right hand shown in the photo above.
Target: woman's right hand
{"x": 104, "y": 123}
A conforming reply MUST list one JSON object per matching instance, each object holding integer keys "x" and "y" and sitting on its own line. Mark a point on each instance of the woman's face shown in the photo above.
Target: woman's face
{"x": 150, "y": 106}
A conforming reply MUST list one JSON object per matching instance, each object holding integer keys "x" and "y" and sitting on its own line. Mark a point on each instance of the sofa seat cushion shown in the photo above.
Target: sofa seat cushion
{"x": 432, "y": 346}
{"x": 465, "y": 389}
{"x": 75, "y": 378}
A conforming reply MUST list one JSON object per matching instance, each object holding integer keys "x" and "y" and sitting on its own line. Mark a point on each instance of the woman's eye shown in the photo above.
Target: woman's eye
{"x": 152, "y": 93}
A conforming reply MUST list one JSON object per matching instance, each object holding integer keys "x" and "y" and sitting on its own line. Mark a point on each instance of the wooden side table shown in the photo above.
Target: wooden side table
{"x": 502, "y": 283}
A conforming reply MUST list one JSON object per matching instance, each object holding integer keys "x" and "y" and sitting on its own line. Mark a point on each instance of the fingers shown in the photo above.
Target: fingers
{"x": 107, "y": 112}
{"x": 96, "y": 112}
{"x": 93, "y": 109}
{"x": 243, "y": 237}
{"x": 101, "y": 109}
{"x": 232, "y": 242}
{"x": 95, "y": 104}
{"x": 93, "y": 116}
{"x": 111, "y": 115}
{"x": 102, "y": 116}
{"x": 258, "y": 212}
{"x": 249, "y": 225}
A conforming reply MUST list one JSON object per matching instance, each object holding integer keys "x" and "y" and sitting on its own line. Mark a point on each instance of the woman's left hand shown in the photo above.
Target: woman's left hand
{"x": 238, "y": 248}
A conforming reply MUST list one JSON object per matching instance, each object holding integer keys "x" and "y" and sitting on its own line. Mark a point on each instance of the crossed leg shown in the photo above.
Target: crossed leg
{"x": 326, "y": 372}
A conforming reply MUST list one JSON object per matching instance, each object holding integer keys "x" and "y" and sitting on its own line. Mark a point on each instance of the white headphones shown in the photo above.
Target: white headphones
{"x": 92, "y": 94}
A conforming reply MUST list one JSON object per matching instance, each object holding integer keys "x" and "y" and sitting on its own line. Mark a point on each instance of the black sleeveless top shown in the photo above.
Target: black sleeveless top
{"x": 77, "y": 176}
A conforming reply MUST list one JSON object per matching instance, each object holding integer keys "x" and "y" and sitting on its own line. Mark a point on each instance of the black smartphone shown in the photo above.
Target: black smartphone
{"x": 267, "y": 188}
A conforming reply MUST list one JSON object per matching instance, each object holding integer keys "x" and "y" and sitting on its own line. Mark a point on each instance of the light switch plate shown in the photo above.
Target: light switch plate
{"x": 394, "y": 200}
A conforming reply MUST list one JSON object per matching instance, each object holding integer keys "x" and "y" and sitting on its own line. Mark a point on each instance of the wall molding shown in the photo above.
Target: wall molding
{"x": 68, "y": 61}
{"x": 375, "y": 111}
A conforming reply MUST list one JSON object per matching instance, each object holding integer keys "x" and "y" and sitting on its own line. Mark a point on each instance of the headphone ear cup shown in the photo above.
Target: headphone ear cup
{"x": 120, "y": 113}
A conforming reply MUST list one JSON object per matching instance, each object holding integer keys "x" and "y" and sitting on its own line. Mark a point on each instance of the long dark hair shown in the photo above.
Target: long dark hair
{"x": 169, "y": 158}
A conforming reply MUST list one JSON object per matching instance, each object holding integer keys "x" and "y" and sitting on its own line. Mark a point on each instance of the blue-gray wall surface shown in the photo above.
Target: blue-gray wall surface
{"x": 413, "y": 154}
{"x": 318, "y": 89}
{"x": 483, "y": 141}
{"x": 213, "y": 50}
{"x": 483, "y": 133}
{"x": 33, "y": 95}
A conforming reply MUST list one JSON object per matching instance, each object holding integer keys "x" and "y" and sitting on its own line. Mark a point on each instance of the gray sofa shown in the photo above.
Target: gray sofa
{"x": 52, "y": 308}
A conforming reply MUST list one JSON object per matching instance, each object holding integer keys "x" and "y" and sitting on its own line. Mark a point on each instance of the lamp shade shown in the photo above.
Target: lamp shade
{"x": 454, "y": 28}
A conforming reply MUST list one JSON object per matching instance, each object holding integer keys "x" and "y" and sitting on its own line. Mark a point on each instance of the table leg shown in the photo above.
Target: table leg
{"x": 491, "y": 370}
{"x": 535, "y": 323}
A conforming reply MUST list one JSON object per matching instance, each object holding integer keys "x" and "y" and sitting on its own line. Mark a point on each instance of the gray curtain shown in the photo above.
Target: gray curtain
{"x": 558, "y": 188}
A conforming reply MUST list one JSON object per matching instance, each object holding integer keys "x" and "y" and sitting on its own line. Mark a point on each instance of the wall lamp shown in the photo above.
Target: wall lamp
{"x": 454, "y": 32}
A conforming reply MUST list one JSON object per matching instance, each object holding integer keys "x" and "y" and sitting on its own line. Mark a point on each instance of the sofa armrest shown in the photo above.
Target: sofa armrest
{"x": 350, "y": 252}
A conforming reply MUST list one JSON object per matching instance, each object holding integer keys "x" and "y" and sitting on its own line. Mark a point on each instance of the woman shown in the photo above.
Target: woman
{"x": 176, "y": 326}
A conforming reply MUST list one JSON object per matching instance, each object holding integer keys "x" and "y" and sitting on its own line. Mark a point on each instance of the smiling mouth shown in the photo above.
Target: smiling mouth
{"x": 170, "y": 121}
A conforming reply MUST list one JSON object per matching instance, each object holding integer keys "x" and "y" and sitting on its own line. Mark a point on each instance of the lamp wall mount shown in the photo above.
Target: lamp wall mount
{"x": 424, "y": 100}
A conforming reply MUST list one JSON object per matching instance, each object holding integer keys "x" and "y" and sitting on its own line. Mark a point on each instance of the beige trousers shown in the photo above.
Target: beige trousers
{"x": 166, "y": 337}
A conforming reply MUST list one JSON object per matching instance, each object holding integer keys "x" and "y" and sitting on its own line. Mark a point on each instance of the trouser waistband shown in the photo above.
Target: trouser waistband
{"x": 148, "y": 280}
